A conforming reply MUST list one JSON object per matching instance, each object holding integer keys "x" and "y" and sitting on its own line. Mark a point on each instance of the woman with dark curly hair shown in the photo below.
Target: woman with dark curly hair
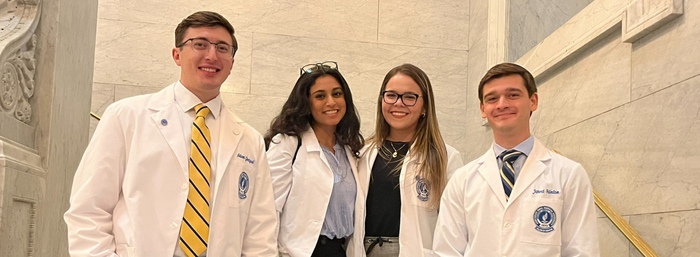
{"x": 312, "y": 149}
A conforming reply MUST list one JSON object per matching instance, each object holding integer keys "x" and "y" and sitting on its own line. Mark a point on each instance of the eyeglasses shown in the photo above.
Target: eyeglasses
{"x": 408, "y": 99}
{"x": 201, "y": 45}
{"x": 324, "y": 66}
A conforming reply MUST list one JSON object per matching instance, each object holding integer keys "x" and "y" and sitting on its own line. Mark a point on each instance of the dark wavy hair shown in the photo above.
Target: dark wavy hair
{"x": 295, "y": 117}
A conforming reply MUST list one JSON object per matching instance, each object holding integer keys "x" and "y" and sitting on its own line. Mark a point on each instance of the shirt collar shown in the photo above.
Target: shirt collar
{"x": 187, "y": 100}
{"x": 525, "y": 147}
{"x": 337, "y": 147}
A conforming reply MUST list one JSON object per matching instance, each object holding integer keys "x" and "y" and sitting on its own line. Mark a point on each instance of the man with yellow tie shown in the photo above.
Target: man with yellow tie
{"x": 175, "y": 173}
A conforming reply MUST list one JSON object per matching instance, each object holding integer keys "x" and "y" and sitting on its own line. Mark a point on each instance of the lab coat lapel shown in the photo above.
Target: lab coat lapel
{"x": 166, "y": 117}
{"x": 533, "y": 167}
{"x": 490, "y": 171}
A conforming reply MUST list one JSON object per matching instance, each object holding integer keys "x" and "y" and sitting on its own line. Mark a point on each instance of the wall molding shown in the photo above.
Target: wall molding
{"x": 497, "y": 32}
{"x": 19, "y": 157}
{"x": 632, "y": 18}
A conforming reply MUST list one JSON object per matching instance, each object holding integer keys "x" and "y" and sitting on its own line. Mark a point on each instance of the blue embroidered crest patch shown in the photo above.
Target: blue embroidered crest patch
{"x": 545, "y": 218}
{"x": 243, "y": 183}
{"x": 422, "y": 189}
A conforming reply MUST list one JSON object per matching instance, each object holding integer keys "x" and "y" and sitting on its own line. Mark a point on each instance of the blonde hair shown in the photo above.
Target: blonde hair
{"x": 428, "y": 147}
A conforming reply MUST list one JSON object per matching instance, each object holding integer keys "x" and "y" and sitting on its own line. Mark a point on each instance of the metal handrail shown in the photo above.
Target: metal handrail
{"x": 622, "y": 225}
{"x": 95, "y": 116}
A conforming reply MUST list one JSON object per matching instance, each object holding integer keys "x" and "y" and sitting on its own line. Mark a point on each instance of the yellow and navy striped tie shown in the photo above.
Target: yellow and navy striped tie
{"x": 507, "y": 171}
{"x": 194, "y": 231}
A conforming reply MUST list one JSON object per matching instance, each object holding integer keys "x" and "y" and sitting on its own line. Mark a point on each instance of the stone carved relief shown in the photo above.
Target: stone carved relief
{"x": 17, "y": 82}
{"x": 18, "y": 21}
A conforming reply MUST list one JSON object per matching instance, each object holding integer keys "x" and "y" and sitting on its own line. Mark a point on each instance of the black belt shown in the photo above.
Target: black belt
{"x": 379, "y": 241}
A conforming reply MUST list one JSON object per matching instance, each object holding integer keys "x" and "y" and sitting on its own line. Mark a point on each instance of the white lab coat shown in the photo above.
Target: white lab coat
{"x": 417, "y": 221}
{"x": 475, "y": 219}
{"x": 130, "y": 190}
{"x": 302, "y": 192}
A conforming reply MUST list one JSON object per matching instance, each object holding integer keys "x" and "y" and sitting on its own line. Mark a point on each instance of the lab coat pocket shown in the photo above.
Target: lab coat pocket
{"x": 540, "y": 220}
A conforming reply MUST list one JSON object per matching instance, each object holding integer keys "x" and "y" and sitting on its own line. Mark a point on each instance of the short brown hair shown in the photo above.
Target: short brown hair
{"x": 506, "y": 69}
{"x": 204, "y": 19}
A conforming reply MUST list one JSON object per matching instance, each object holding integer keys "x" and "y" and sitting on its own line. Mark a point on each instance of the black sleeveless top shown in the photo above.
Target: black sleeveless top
{"x": 384, "y": 196}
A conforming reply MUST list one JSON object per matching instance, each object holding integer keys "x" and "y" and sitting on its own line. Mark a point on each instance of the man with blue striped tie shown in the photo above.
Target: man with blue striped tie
{"x": 518, "y": 199}
{"x": 176, "y": 173}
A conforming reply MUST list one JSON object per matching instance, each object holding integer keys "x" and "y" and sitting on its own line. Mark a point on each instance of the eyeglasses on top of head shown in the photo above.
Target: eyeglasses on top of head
{"x": 324, "y": 66}
{"x": 202, "y": 45}
{"x": 408, "y": 99}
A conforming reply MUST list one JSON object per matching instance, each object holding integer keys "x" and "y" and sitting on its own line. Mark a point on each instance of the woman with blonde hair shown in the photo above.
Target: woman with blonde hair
{"x": 402, "y": 170}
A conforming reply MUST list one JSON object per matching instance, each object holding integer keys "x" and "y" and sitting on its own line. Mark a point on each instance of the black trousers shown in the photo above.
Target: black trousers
{"x": 326, "y": 247}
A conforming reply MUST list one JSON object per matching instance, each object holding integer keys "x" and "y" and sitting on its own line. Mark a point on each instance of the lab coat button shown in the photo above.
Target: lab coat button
{"x": 184, "y": 186}
{"x": 506, "y": 224}
{"x": 173, "y": 225}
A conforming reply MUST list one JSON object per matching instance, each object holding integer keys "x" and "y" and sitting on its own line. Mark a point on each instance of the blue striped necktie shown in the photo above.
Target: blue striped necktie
{"x": 507, "y": 171}
{"x": 194, "y": 231}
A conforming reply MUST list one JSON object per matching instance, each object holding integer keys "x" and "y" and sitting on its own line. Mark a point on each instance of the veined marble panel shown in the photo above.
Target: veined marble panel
{"x": 477, "y": 69}
{"x": 438, "y": 24}
{"x": 669, "y": 234}
{"x": 477, "y": 63}
{"x": 641, "y": 156}
{"x": 349, "y": 20}
{"x": 367, "y": 108}
{"x": 533, "y": 20}
{"x": 478, "y": 22}
{"x": 612, "y": 242}
{"x": 453, "y": 130}
{"x": 108, "y": 9}
{"x": 480, "y": 137}
{"x": 590, "y": 84}
{"x": 668, "y": 55}
{"x": 102, "y": 96}
{"x": 248, "y": 108}
{"x": 136, "y": 53}
{"x": 277, "y": 59}
{"x": 124, "y": 91}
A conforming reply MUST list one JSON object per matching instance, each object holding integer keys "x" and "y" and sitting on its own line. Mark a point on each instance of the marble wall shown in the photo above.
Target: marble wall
{"x": 367, "y": 38}
{"x": 530, "y": 21}
{"x": 629, "y": 113}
